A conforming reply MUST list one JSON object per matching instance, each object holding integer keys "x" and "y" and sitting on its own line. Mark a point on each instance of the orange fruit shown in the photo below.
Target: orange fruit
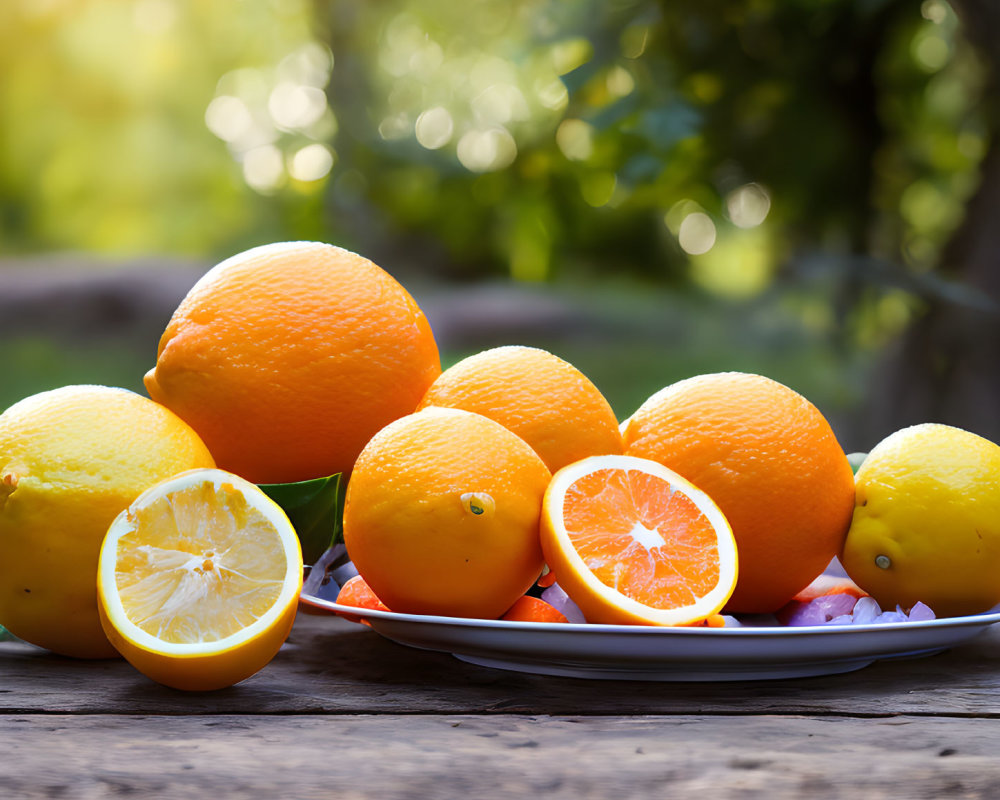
{"x": 199, "y": 579}
{"x": 542, "y": 398}
{"x": 358, "y": 594}
{"x": 533, "y": 609}
{"x": 769, "y": 458}
{"x": 287, "y": 358}
{"x": 632, "y": 542}
{"x": 441, "y": 514}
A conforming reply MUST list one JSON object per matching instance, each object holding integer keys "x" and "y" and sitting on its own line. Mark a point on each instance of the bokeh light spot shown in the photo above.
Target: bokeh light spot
{"x": 748, "y": 205}
{"x": 552, "y": 94}
{"x": 311, "y": 163}
{"x": 395, "y": 126}
{"x": 294, "y": 106}
{"x": 575, "y": 139}
{"x": 228, "y": 118}
{"x": 697, "y": 234}
{"x": 935, "y": 11}
{"x": 570, "y": 54}
{"x": 619, "y": 81}
{"x": 434, "y": 128}
{"x": 264, "y": 169}
{"x": 487, "y": 150}
{"x": 930, "y": 50}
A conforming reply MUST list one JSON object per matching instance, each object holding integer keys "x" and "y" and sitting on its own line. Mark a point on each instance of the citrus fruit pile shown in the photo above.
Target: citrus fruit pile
{"x": 170, "y": 529}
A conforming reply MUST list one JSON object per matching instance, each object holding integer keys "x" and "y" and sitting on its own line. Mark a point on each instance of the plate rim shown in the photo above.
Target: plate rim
{"x": 984, "y": 619}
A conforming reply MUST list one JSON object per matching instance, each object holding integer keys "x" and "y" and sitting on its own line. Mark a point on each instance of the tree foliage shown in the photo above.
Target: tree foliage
{"x": 815, "y": 156}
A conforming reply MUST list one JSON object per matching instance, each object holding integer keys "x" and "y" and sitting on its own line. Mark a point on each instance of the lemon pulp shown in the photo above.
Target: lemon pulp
{"x": 206, "y": 565}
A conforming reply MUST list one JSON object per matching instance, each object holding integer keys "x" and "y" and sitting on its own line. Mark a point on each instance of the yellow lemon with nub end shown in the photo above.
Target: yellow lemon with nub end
{"x": 926, "y": 523}
{"x": 70, "y": 460}
{"x": 199, "y": 579}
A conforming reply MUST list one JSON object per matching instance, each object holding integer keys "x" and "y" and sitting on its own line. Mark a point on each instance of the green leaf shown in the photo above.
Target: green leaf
{"x": 6, "y": 635}
{"x": 315, "y": 508}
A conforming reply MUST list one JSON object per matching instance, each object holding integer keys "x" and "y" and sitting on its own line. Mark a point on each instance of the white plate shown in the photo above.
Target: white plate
{"x": 633, "y": 652}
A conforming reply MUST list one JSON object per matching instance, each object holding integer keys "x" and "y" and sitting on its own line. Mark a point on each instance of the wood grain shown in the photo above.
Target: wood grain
{"x": 446, "y": 756}
{"x": 330, "y": 666}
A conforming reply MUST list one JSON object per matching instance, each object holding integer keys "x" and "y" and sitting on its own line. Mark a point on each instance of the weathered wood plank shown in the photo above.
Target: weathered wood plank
{"x": 389, "y": 757}
{"x": 332, "y": 666}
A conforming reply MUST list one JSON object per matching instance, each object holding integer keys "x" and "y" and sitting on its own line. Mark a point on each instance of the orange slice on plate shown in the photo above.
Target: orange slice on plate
{"x": 632, "y": 542}
{"x": 199, "y": 579}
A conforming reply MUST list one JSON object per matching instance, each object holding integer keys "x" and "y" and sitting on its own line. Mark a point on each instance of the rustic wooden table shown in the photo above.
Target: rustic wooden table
{"x": 343, "y": 713}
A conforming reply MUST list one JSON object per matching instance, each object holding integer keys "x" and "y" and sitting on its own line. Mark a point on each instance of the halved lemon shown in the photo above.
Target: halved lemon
{"x": 198, "y": 580}
{"x": 632, "y": 542}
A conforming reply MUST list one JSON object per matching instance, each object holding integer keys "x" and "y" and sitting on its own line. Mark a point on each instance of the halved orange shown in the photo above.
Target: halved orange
{"x": 632, "y": 542}
{"x": 198, "y": 580}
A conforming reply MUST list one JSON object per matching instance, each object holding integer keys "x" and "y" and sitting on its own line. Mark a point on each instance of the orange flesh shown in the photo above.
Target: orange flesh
{"x": 533, "y": 609}
{"x": 355, "y": 592}
{"x": 640, "y": 537}
{"x": 207, "y": 564}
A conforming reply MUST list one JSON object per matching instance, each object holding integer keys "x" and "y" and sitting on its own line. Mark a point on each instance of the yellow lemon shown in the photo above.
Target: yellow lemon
{"x": 70, "y": 460}
{"x": 199, "y": 580}
{"x": 926, "y": 521}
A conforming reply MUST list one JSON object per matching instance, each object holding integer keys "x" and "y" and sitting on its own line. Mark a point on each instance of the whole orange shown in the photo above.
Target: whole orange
{"x": 542, "y": 398}
{"x": 772, "y": 463}
{"x": 442, "y": 515}
{"x": 287, "y": 358}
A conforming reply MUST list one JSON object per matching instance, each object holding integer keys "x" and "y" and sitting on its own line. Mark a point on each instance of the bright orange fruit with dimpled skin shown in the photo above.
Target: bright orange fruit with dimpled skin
{"x": 287, "y": 358}
{"x": 770, "y": 460}
{"x": 542, "y": 398}
{"x": 442, "y": 515}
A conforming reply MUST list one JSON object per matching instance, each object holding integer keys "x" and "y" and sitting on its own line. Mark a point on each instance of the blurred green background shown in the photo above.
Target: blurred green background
{"x": 801, "y": 188}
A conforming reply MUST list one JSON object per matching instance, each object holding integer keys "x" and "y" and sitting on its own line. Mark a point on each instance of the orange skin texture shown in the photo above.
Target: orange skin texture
{"x": 770, "y": 460}
{"x": 287, "y": 358}
{"x": 410, "y": 518}
{"x": 542, "y": 398}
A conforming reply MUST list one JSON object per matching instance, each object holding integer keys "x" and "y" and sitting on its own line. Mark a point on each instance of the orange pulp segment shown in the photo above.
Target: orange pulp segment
{"x": 630, "y": 541}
